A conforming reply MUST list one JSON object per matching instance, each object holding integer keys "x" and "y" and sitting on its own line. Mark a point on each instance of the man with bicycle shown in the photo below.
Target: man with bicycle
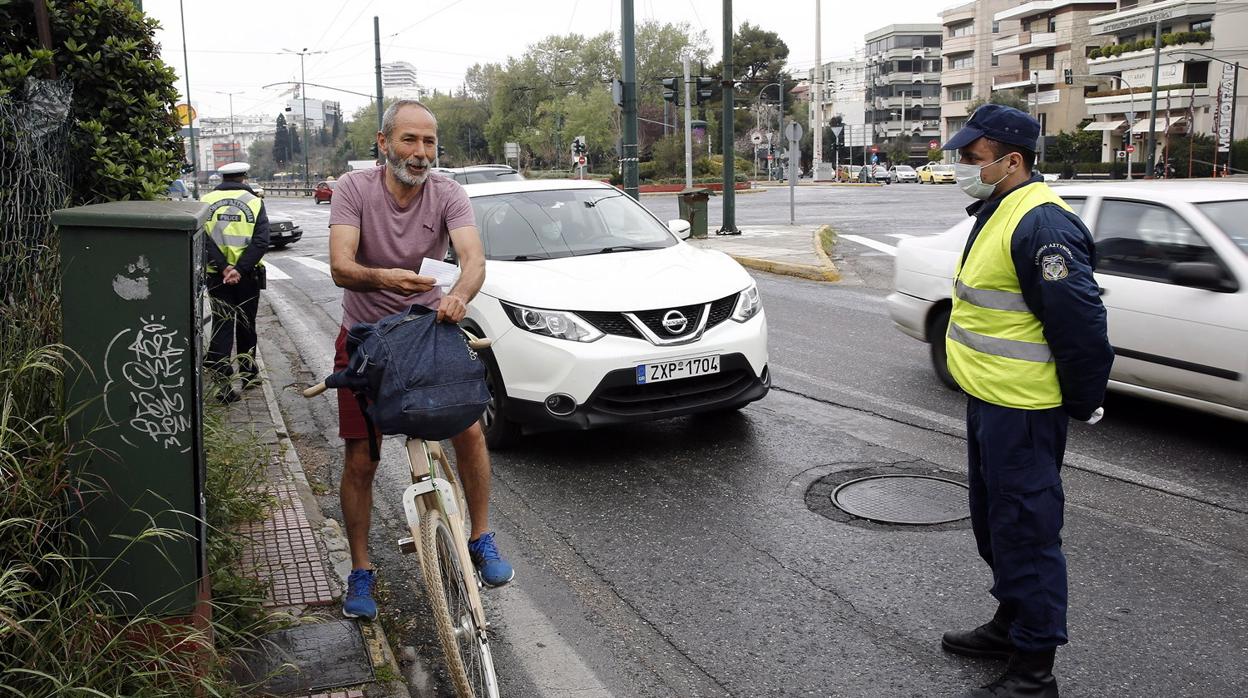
{"x": 383, "y": 222}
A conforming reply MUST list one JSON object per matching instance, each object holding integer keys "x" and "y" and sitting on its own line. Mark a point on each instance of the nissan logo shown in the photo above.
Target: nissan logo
{"x": 675, "y": 321}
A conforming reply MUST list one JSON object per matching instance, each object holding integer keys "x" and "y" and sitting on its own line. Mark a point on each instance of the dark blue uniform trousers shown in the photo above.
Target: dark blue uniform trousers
{"x": 1014, "y": 473}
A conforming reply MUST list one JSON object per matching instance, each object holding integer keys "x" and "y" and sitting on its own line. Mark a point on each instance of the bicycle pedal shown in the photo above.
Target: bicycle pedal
{"x": 407, "y": 545}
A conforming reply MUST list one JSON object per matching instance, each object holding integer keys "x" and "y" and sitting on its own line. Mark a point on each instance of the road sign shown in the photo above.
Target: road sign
{"x": 1122, "y": 155}
{"x": 756, "y": 137}
{"x": 932, "y": 145}
{"x": 793, "y": 131}
{"x": 770, "y": 156}
{"x": 875, "y": 159}
{"x": 511, "y": 150}
{"x": 186, "y": 114}
{"x": 1130, "y": 149}
{"x": 875, "y": 149}
{"x": 836, "y": 132}
{"x": 581, "y": 161}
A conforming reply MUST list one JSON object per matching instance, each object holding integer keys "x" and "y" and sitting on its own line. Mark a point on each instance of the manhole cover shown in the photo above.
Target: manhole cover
{"x": 903, "y": 499}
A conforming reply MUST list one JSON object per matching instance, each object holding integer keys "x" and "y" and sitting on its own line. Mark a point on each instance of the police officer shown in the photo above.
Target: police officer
{"x": 1027, "y": 343}
{"x": 237, "y": 237}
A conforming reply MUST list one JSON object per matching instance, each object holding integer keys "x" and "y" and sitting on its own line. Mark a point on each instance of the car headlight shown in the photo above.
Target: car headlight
{"x": 552, "y": 323}
{"x": 748, "y": 304}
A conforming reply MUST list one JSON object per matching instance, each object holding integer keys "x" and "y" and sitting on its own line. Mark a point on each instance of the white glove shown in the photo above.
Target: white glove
{"x": 1096, "y": 416}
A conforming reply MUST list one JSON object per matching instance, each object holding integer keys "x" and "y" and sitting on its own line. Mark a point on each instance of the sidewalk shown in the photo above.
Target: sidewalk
{"x": 793, "y": 250}
{"x": 301, "y": 557}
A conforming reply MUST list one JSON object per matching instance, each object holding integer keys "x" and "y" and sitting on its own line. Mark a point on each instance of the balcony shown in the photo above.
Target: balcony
{"x": 1024, "y": 78}
{"x": 1024, "y": 42}
{"x": 1040, "y": 7}
{"x": 1099, "y": 63}
{"x": 1170, "y": 97}
{"x": 957, "y": 77}
{"x": 958, "y": 44}
{"x": 1143, "y": 15}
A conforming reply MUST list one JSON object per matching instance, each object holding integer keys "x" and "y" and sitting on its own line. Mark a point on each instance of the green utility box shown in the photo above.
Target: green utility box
{"x": 131, "y": 296}
{"x": 693, "y": 209}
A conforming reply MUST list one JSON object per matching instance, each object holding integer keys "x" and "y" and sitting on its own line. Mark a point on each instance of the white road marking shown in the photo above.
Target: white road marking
{"x": 273, "y": 273}
{"x": 900, "y": 236}
{"x": 313, "y": 264}
{"x": 873, "y": 244}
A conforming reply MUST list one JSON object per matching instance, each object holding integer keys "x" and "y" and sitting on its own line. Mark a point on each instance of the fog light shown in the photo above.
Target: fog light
{"x": 560, "y": 405}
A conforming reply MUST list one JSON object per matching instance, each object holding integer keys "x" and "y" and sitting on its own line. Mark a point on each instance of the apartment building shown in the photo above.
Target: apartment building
{"x": 844, "y": 95}
{"x": 398, "y": 79}
{"x": 1200, "y": 40}
{"x": 903, "y": 65}
{"x": 969, "y": 63}
{"x": 1050, "y": 37}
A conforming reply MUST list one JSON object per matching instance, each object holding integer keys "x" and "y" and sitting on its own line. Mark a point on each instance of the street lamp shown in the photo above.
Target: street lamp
{"x": 233, "y": 143}
{"x": 303, "y": 95}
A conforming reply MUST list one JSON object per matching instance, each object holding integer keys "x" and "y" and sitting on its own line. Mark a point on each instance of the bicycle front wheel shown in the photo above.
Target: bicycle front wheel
{"x": 465, "y": 645}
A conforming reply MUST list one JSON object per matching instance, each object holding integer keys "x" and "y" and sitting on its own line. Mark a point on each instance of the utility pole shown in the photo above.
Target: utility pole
{"x": 728, "y": 225}
{"x": 377, "y": 64}
{"x": 628, "y": 151}
{"x": 1152, "y": 108}
{"x": 190, "y": 122}
{"x": 817, "y": 156}
{"x": 303, "y": 95}
{"x": 233, "y": 143}
{"x": 684, "y": 62}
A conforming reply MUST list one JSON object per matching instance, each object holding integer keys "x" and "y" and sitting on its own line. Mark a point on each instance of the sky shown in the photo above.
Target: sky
{"x": 242, "y": 47}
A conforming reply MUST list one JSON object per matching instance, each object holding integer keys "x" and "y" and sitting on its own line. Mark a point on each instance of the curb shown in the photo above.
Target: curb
{"x": 824, "y": 260}
{"x": 330, "y": 533}
{"x": 804, "y": 271}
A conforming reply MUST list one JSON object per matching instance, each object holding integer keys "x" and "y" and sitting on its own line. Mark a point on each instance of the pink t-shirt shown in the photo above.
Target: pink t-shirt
{"x": 396, "y": 237}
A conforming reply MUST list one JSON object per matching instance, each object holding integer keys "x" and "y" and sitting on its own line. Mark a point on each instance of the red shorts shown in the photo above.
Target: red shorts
{"x": 351, "y": 424}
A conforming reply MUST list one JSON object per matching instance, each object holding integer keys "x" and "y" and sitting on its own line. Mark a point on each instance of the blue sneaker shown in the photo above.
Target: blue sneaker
{"x": 360, "y": 603}
{"x": 494, "y": 570}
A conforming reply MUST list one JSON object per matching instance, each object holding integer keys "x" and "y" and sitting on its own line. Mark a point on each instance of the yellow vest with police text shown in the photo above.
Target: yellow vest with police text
{"x": 232, "y": 215}
{"x": 995, "y": 345}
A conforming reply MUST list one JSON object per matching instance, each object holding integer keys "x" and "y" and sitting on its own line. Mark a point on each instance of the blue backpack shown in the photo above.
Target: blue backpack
{"x": 413, "y": 376}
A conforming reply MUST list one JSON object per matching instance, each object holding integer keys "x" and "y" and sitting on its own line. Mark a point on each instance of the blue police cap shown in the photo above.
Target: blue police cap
{"x": 1000, "y": 123}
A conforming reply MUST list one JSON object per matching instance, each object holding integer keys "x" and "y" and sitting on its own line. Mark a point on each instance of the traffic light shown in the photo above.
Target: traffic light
{"x": 705, "y": 89}
{"x": 1069, "y": 76}
{"x": 373, "y": 150}
{"x": 578, "y": 146}
{"x": 441, "y": 150}
{"x": 671, "y": 90}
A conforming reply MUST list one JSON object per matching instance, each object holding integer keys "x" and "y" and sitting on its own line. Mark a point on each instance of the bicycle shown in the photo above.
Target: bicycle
{"x": 434, "y": 506}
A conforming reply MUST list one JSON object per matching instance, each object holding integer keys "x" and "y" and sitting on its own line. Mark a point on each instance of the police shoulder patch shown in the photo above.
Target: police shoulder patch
{"x": 1053, "y": 267}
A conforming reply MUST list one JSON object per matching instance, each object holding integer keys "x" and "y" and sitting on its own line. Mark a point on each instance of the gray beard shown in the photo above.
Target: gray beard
{"x": 398, "y": 168}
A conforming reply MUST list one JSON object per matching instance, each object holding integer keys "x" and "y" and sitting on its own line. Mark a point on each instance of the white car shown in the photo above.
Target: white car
{"x": 899, "y": 174}
{"x": 1173, "y": 269}
{"x": 600, "y": 314}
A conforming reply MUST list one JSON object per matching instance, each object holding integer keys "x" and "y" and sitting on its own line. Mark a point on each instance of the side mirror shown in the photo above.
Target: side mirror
{"x": 680, "y": 228}
{"x": 1203, "y": 275}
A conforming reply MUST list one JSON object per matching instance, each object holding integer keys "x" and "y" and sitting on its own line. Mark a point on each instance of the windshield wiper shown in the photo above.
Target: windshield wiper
{"x": 528, "y": 257}
{"x": 590, "y": 203}
{"x": 626, "y": 248}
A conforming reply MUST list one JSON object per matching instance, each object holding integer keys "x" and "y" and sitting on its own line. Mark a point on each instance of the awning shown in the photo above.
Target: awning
{"x": 1104, "y": 125}
{"x": 1164, "y": 124}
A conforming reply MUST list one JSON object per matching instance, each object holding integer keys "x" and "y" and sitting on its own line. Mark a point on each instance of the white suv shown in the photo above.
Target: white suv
{"x": 600, "y": 314}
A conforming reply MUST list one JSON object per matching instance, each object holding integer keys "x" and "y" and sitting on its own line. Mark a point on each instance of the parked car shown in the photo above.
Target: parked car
{"x": 476, "y": 174}
{"x": 936, "y": 173}
{"x": 898, "y": 174}
{"x": 324, "y": 191}
{"x": 178, "y": 190}
{"x": 590, "y": 327}
{"x": 282, "y": 230}
{"x": 1173, "y": 266}
{"x": 879, "y": 174}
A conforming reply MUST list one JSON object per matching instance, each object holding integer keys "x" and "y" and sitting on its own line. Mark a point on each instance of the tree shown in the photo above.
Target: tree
{"x": 125, "y": 134}
{"x": 1009, "y": 98}
{"x": 1076, "y": 146}
{"x": 296, "y": 147}
{"x": 281, "y": 146}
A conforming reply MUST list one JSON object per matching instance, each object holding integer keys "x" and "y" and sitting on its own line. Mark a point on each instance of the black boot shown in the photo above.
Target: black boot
{"x": 1029, "y": 675}
{"x": 990, "y": 640}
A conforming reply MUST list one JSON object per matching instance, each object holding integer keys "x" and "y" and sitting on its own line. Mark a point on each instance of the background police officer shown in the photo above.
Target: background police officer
{"x": 1027, "y": 342}
{"x": 237, "y": 237}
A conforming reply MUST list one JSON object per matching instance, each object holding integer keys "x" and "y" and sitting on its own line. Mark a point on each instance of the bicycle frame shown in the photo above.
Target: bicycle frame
{"x": 434, "y": 487}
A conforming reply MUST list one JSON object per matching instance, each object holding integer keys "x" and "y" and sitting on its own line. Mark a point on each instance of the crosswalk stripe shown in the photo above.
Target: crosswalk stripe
{"x": 873, "y": 244}
{"x": 272, "y": 273}
{"x": 900, "y": 236}
{"x": 313, "y": 264}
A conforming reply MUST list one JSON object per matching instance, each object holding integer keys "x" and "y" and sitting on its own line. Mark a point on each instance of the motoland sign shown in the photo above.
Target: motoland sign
{"x": 1222, "y": 122}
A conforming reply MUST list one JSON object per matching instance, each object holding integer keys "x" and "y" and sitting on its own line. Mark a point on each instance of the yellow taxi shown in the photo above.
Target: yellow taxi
{"x": 936, "y": 173}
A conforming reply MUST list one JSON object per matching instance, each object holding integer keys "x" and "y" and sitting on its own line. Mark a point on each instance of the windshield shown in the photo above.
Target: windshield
{"x": 905, "y": 168}
{"x": 565, "y": 223}
{"x": 491, "y": 175}
{"x": 942, "y": 168}
{"x": 1231, "y": 217}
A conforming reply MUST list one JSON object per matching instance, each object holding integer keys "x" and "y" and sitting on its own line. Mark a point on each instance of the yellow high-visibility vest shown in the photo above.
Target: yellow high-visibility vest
{"x": 995, "y": 345}
{"x": 231, "y": 222}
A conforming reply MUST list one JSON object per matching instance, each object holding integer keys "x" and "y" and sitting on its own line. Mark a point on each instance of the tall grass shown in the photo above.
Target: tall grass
{"x": 58, "y": 634}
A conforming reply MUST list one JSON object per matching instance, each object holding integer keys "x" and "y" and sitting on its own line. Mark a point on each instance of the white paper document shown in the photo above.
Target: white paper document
{"x": 446, "y": 274}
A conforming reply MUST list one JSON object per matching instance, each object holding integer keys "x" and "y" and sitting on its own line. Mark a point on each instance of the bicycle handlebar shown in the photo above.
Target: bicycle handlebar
{"x": 475, "y": 343}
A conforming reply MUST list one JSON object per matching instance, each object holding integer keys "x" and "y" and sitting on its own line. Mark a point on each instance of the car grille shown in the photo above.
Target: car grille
{"x": 618, "y": 324}
{"x": 683, "y": 394}
{"x": 279, "y": 227}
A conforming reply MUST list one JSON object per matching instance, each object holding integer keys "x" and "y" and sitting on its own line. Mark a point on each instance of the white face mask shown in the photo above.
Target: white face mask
{"x": 968, "y": 177}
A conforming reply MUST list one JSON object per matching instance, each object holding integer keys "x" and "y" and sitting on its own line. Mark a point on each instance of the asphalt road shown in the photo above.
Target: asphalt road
{"x": 700, "y": 556}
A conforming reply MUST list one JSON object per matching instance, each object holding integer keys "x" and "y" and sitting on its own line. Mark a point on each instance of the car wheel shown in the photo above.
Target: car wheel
{"x": 500, "y": 432}
{"x": 937, "y": 328}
